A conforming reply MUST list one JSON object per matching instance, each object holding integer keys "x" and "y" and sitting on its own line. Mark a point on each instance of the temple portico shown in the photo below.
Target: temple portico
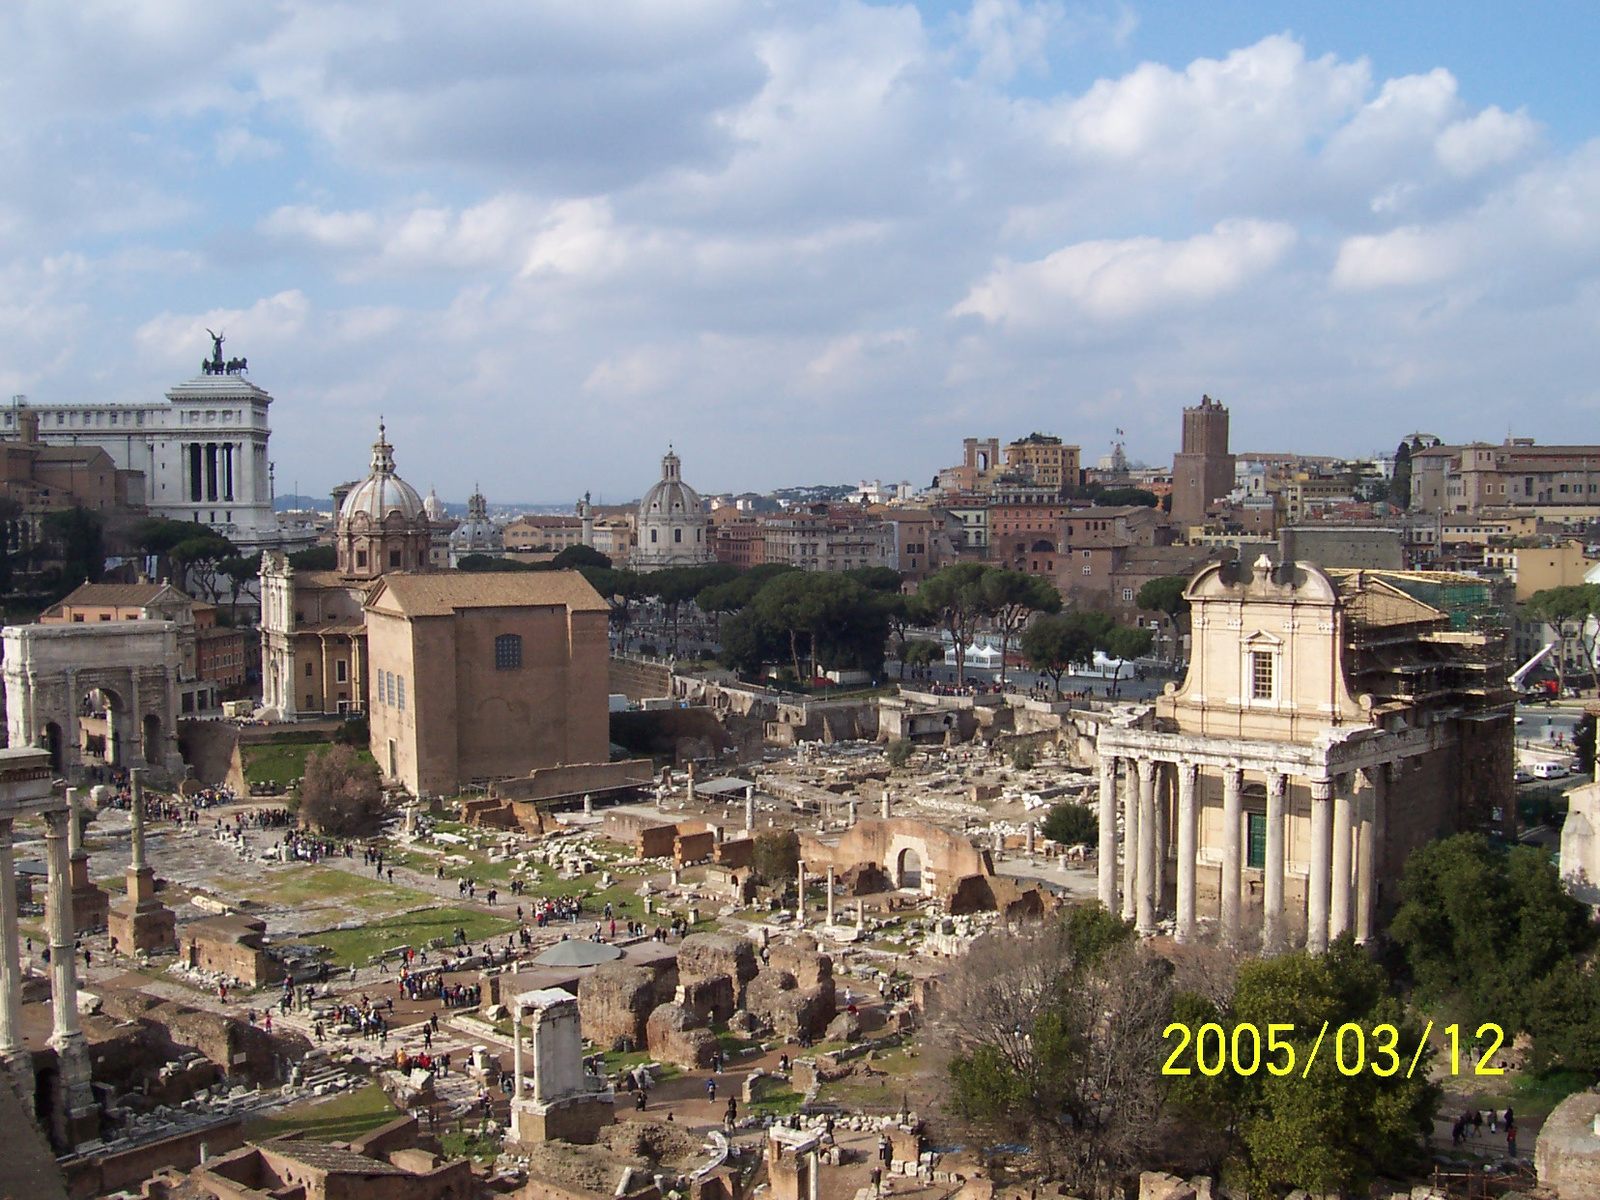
{"x": 1329, "y": 724}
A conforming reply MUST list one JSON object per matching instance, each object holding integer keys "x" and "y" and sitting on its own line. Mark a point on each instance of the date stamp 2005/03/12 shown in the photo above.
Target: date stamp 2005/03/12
{"x": 1244, "y": 1050}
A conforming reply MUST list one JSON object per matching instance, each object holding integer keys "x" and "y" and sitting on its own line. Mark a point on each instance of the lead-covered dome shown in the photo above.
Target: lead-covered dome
{"x": 671, "y": 496}
{"x": 382, "y": 492}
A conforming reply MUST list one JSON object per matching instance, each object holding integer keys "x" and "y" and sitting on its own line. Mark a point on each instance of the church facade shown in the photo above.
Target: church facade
{"x": 674, "y": 530}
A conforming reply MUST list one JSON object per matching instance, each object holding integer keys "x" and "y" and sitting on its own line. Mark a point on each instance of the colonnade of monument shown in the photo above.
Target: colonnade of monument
{"x": 1153, "y": 794}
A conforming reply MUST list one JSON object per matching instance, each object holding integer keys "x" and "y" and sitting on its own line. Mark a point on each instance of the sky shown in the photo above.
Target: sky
{"x": 804, "y": 241}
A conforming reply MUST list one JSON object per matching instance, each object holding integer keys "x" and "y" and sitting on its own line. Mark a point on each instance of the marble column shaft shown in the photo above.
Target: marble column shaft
{"x": 1319, "y": 876}
{"x": 13, "y": 1050}
{"x": 1272, "y": 874}
{"x": 1130, "y": 844}
{"x": 136, "y": 818}
{"x": 1188, "y": 845}
{"x": 63, "y": 964}
{"x": 1372, "y": 800}
{"x": 1342, "y": 860}
{"x": 1232, "y": 820}
{"x": 1108, "y": 833}
{"x": 1146, "y": 910}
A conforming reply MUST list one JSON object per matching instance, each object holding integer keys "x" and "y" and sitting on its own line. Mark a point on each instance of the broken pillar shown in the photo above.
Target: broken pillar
{"x": 887, "y": 804}
{"x": 561, "y": 1102}
{"x": 141, "y": 924}
{"x": 749, "y": 808}
{"x": 90, "y": 904}
{"x": 800, "y": 900}
{"x": 830, "y": 894}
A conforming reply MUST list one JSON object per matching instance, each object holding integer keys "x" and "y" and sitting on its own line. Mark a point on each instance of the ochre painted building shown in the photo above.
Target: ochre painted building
{"x": 481, "y": 677}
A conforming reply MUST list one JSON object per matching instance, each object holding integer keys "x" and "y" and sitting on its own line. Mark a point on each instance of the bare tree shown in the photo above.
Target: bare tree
{"x": 340, "y": 793}
{"x": 1053, "y": 1038}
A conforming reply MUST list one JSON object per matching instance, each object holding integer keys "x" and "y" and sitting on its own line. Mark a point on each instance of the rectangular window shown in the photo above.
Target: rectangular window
{"x": 339, "y": 669}
{"x": 1261, "y": 680}
{"x": 1256, "y": 841}
{"x": 400, "y": 693}
{"x": 508, "y": 652}
{"x": 308, "y": 670}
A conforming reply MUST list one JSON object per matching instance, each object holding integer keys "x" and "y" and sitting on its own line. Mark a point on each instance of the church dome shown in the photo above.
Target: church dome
{"x": 477, "y": 534}
{"x": 382, "y": 492}
{"x": 434, "y": 506}
{"x": 671, "y": 496}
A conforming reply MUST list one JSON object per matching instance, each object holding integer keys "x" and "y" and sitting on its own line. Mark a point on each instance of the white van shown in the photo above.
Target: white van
{"x": 1549, "y": 770}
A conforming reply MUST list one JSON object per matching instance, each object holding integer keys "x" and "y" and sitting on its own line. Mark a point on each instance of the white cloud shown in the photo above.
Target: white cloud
{"x": 1118, "y": 280}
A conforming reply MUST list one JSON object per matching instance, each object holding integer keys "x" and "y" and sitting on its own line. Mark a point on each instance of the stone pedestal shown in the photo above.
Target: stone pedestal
{"x": 141, "y": 923}
{"x": 578, "y": 1120}
{"x": 91, "y": 905}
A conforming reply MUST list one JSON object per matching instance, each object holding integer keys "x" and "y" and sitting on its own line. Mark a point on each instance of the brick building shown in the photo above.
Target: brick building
{"x": 482, "y": 677}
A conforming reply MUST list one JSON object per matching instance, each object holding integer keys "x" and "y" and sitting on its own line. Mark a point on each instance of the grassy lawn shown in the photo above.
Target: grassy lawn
{"x": 344, "y": 1117}
{"x": 409, "y": 929}
{"x": 469, "y": 1145}
{"x": 296, "y": 885}
{"x": 278, "y": 764}
{"x": 778, "y": 1100}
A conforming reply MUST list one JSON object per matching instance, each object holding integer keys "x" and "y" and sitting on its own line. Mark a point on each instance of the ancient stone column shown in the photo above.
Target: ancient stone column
{"x": 516, "y": 1049}
{"x": 74, "y": 826}
{"x": 136, "y": 819}
{"x": 749, "y": 808}
{"x": 588, "y": 805}
{"x": 1146, "y": 911}
{"x": 1188, "y": 848}
{"x": 73, "y": 1119}
{"x": 861, "y": 914}
{"x": 1232, "y": 819}
{"x": 1343, "y": 830}
{"x": 887, "y": 804}
{"x": 1321, "y": 865}
{"x": 1108, "y": 833}
{"x": 830, "y": 895}
{"x": 1377, "y": 781}
{"x": 1272, "y": 876}
{"x": 852, "y": 812}
{"x": 1163, "y": 838}
{"x": 15, "y": 1057}
{"x": 1130, "y": 847}
{"x": 800, "y": 899}
{"x": 689, "y": 794}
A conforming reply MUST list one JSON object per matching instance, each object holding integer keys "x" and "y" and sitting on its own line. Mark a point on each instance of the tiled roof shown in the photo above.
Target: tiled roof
{"x": 438, "y": 595}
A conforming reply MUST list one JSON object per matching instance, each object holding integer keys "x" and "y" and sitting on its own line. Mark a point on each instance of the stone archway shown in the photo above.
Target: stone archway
{"x": 127, "y": 671}
{"x": 908, "y": 870}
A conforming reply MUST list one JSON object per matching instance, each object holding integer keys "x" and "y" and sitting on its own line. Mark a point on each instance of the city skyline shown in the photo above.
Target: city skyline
{"x": 547, "y": 245}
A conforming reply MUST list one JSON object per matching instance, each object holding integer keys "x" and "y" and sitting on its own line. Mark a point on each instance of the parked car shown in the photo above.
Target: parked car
{"x": 1521, "y": 775}
{"x": 1549, "y": 770}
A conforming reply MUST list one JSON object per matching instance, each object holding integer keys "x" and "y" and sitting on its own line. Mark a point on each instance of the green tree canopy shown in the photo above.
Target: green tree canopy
{"x": 1012, "y": 598}
{"x": 79, "y": 538}
{"x": 1071, "y": 825}
{"x": 1054, "y": 645}
{"x": 315, "y": 558}
{"x": 1321, "y": 1130}
{"x": 574, "y": 557}
{"x": 954, "y": 598}
{"x": 1483, "y": 927}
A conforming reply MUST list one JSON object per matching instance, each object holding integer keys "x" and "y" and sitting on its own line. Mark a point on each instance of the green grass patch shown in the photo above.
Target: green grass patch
{"x": 282, "y": 764}
{"x": 1536, "y": 1095}
{"x": 778, "y": 1100}
{"x": 409, "y": 929}
{"x": 469, "y": 1145}
{"x": 337, "y": 1120}
{"x": 732, "y": 1044}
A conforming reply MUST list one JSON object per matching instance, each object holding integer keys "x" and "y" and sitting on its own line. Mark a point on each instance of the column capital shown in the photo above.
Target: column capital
{"x": 1147, "y": 770}
{"x": 1375, "y": 776}
{"x": 1277, "y": 783}
{"x": 1322, "y": 789}
{"x": 1188, "y": 772}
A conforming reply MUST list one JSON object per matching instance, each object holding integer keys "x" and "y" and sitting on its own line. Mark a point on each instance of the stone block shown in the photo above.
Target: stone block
{"x": 614, "y": 1003}
{"x": 707, "y": 955}
{"x": 675, "y": 1034}
{"x": 1159, "y": 1185}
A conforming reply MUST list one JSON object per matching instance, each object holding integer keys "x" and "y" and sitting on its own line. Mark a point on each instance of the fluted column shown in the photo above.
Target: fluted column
{"x": 63, "y": 969}
{"x": 1374, "y": 797}
{"x": 1321, "y": 867}
{"x": 1130, "y": 846}
{"x": 14, "y": 1055}
{"x": 1147, "y": 846}
{"x": 136, "y": 817}
{"x": 1108, "y": 832}
{"x": 800, "y": 900}
{"x": 1343, "y": 829}
{"x": 1272, "y": 875}
{"x": 1232, "y": 819}
{"x": 1188, "y": 836}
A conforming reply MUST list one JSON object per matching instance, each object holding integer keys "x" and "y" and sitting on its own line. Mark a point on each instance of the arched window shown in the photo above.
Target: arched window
{"x": 508, "y": 652}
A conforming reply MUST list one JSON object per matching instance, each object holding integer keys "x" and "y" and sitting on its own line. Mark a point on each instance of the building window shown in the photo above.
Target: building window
{"x": 1262, "y": 681}
{"x": 339, "y": 669}
{"x": 508, "y": 652}
{"x": 652, "y": 537}
{"x": 361, "y": 558}
{"x": 400, "y": 693}
{"x": 1088, "y": 570}
{"x": 677, "y": 535}
{"x": 1127, "y": 595}
{"x": 308, "y": 670}
{"x": 394, "y": 558}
